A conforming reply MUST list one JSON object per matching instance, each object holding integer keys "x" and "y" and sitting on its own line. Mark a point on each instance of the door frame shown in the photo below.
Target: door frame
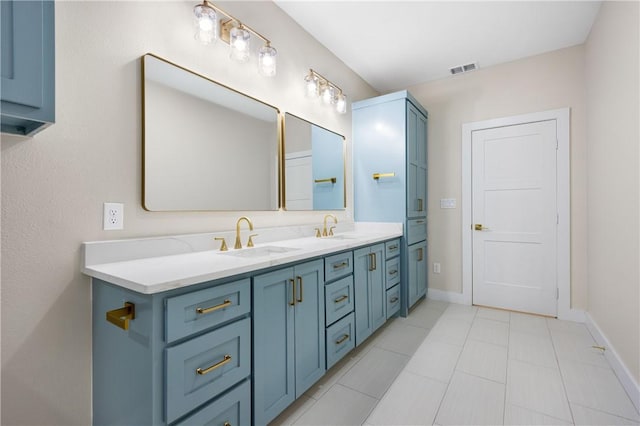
{"x": 563, "y": 194}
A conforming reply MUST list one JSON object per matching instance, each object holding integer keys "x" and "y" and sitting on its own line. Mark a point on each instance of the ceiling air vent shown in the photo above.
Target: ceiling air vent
{"x": 464, "y": 68}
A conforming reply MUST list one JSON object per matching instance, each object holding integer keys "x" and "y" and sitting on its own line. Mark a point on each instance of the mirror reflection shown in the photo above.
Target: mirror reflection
{"x": 314, "y": 166}
{"x": 205, "y": 146}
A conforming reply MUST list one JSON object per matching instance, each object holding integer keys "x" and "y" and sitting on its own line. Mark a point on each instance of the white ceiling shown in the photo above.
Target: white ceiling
{"x": 396, "y": 44}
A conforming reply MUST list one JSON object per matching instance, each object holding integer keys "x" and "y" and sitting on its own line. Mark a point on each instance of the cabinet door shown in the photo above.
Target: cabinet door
{"x": 417, "y": 279}
{"x": 379, "y": 148}
{"x": 377, "y": 301}
{"x": 416, "y": 162}
{"x": 310, "y": 352}
{"x": 361, "y": 265}
{"x": 273, "y": 343}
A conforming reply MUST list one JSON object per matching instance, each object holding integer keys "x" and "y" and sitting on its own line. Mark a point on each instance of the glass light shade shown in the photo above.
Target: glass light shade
{"x": 267, "y": 60}
{"x": 239, "y": 41}
{"x": 312, "y": 86}
{"x": 206, "y": 23}
{"x": 341, "y": 103}
{"x": 328, "y": 95}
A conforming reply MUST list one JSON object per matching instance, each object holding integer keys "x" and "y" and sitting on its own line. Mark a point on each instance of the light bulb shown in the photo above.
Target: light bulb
{"x": 327, "y": 95}
{"x": 206, "y": 23}
{"x": 239, "y": 43}
{"x": 341, "y": 103}
{"x": 311, "y": 83}
{"x": 267, "y": 60}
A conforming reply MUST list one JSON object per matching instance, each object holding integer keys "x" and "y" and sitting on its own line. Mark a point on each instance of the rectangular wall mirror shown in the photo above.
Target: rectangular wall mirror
{"x": 205, "y": 146}
{"x": 314, "y": 166}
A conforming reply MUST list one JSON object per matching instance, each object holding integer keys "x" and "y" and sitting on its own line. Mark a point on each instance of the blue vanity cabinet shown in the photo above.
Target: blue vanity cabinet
{"x": 27, "y": 66}
{"x": 184, "y": 358}
{"x": 369, "y": 289}
{"x": 390, "y": 174}
{"x": 417, "y": 255}
{"x": 288, "y": 336}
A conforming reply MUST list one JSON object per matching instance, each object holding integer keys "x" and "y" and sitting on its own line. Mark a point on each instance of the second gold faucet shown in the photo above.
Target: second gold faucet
{"x": 238, "y": 244}
{"x": 324, "y": 230}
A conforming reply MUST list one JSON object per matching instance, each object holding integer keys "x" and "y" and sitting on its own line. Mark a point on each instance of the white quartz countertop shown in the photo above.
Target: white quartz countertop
{"x": 156, "y": 265}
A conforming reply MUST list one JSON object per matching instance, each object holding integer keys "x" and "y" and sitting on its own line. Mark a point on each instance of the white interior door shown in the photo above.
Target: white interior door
{"x": 299, "y": 178}
{"x": 515, "y": 216}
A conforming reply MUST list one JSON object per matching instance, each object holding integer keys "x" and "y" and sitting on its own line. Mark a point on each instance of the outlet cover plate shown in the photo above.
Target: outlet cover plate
{"x": 113, "y": 216}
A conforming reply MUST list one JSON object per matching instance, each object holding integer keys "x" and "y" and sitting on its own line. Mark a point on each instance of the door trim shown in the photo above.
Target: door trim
{"x": 562, "y": 118}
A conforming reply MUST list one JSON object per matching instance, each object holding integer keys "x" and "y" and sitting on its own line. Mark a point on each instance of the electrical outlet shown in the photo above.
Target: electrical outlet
{"x": 436, "y": 268}
{"x": 113, "y": 217}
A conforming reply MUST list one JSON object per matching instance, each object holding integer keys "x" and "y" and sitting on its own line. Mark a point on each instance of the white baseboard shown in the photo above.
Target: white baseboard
{"x": 446, "y": 296}
{"x": 624, "y": 375}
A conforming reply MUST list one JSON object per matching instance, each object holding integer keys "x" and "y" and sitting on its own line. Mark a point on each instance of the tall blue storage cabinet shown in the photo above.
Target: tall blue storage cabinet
{"x": 27, "y": 63}
{"x": 390, "y": 179}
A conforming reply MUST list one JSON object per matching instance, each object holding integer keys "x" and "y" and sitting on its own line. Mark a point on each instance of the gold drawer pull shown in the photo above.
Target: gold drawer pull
{"x": 420, "y": 207}
{"x": 341, "y": 298}
{"x": 223, "y": 305}
{"x": 226, "y": 360}
{"x": 226, "y": 424}
{"x": 395, "y": 271}
{"x": 421, "y": 255}
{"x": 340, "y": 265}
{"x": 293, "y": 292}
{"x": 331, "y": 179}
{"x": 393, "y": 247}
{"x": 377, "y": 176}
{"x": 393, "y": 299}
{"x": 342, "y": 339}
{"x": 301, "y": 284}
{"x": 120, "y": 317}
{"x": 420, "y": 222}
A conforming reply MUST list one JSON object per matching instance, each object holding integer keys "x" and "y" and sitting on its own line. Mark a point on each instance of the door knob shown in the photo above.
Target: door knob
{"x": 479, "y": 227}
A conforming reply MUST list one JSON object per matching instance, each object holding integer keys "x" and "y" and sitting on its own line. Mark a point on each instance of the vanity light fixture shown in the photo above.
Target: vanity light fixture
{"x": 319, "y": 86}
{"x": 234, "y": 32}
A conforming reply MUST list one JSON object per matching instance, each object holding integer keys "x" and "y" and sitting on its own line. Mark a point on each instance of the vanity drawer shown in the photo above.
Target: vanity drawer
{"x": 199, "y": 310}
{"x": 393, "y": 301}
{"x": 338, "y": 265}
{"x": 392, "y": 248}
{"x": 232, "y": 408}
{"x": 340, "y": 339}
{"x": 393, "y": 272}
{"x": 338, "y": 299}
{"x": 201, "y": 368}
{"x": 416, "y": 230}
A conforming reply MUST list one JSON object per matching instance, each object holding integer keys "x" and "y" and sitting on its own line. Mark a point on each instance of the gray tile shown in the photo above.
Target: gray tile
{"x": 411, "y": 400}
{"x": 537, "y": 388}
{"x": 528, "y": 323}
{"x": 514, "y": 415}
{"x": 339, "y": 406}
{"x": 452, "y": 331}
{"x": 293, "y": 412}
{"x": 597, "y": 388}
{"x": 401, "y": 337}
{"x": 434, "y": 359}
{"x": 424, "y": 316}
{"x": 471, "y": 400}
{"x": 484, "y": 360}
{"x": 493, "y": 314}
{"x": 333, "y": 375}
{"x": 460, "y": 312}
{"x": 532, "y": 348}
{"x": 587, "y": 416}
{"x": 374, "y": 372}
{"x": 434, "y": 304}
{"x": 490, "y": 331}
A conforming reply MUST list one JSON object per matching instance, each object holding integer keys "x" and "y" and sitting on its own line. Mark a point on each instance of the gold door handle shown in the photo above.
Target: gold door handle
{"x": 420, "y": 206}
{"x": 120, "y": 317}
{"x": 342, "y": 339}
{"x": 377, "y": 176}
{"x": 223, "y": 305}
{"x": 371, "y": 268}
{"x": 340, "y": 265}
{"x": 341, "y": 298}
{"x": 331, "y": 179}
{"x": 300, "y": 283}
{"x": 479, "y": 227}
{"x": 293, "y": 292}
{"x": 375, "y": 261}
{"x": 225, "y": 360}
{"x": 420, "y": 255}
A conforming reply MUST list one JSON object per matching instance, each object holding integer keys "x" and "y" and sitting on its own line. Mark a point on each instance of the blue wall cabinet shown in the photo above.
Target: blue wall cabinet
{"x": 390, "y": 173}
{"x": 369, "y": 289}
{"x": 288, "y": 336}
{"x": 27, "y": 66}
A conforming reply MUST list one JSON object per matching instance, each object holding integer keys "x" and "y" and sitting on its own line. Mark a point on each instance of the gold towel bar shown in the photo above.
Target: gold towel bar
{"x": 120, "y": 317}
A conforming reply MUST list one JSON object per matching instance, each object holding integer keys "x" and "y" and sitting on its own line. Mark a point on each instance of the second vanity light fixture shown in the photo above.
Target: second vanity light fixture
{"x": 234, "y": 32}
{"x": 319, "y": 87}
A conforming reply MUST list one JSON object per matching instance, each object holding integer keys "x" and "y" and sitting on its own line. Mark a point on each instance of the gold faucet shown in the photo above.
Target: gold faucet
{"x": 238, "y": 244}
{"x": 324, "y": 230}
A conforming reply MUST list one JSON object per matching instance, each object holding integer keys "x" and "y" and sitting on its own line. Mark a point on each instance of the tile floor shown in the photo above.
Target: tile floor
{"x": 449, "y": 364}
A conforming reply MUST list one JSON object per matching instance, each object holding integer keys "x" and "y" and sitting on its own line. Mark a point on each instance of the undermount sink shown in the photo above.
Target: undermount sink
{"x": 260, "y": 251}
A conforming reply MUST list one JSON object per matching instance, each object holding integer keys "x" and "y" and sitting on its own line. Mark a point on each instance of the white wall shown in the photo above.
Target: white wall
{"x": 613, "y": 107}
{"x": 53, "y": 185}
{"x": 544, "y": 82}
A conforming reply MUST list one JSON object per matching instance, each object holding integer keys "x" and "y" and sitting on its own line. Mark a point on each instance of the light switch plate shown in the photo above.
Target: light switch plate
{"x": 447, "y": 203}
